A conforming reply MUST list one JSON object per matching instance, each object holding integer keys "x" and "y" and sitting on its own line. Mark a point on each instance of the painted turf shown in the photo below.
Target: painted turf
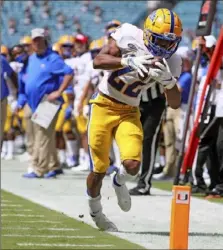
{"x": 147, "y": 224}
{"x": 16, "y": 233}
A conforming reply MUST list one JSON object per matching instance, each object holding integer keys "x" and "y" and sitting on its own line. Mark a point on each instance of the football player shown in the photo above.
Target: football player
{"x": 134, "y": 59}
{"x": 94, "y": 77}
{"x": 65, "y": 47}
{"x": 111, "y": 26}
{"x": 13, "y": 128}
{"x": 26, "y": 42}
{"x": 80, "y": 62}
{"x": 5, "y": 52}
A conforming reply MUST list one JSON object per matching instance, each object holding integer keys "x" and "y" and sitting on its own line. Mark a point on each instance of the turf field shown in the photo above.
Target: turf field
{"x": 147, "y": 223}
{"x": 26, "y": 225}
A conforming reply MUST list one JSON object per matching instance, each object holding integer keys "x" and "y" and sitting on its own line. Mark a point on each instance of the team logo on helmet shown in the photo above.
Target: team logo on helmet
{"x": 152, "y": 16}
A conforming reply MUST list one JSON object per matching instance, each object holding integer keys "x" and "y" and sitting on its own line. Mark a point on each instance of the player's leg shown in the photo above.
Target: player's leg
{"x": 151, "y": 117}
{"x": 4, "y": 145}
{"x": 169, "y": 139}
{"x": 10, "y": 135}
{"x": 99, "y": 141}
{"x": 81, "y": 122}
{"x": 129, "y": 137}
{"x": 71, "y": 144}
{"x": 3, "y": 117}
{"x": 60, "y": 142}
{"x": 6, "y": 129}
{"x": 20, "y": 147}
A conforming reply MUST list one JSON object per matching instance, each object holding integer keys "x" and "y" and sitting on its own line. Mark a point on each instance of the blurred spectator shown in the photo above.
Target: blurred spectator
{"x": 12, "y": 26}
{"x": 97, "y": 14}
{"x": 60, "y": 21}
{"x": 47, "y": 34}
{"x": 31, "y": 4}
{"x": 27, "y": 16}
{"x": 152, "y": 5}
{"x": 45, "y": 3}
{"x": 45, "y": 12}
{"x": 188, "y": 37}
{"x": 77, "y": 25}
{"x": 85, "y": 6}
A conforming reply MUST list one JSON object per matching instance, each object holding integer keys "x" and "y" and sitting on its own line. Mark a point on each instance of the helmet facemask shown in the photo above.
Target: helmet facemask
{"x": 161, "y": 45}
{"x": 67, "y": 50}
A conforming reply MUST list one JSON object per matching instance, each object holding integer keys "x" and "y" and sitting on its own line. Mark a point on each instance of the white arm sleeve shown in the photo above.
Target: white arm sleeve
{"x": 175, "y": 65}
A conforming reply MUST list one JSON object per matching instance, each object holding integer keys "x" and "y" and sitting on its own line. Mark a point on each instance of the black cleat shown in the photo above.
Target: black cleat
{"x": 214, "y": 193}
{"x": 158, "y": 170}
{"x": 139, "y": 191}
{"x": 201, "y": 189}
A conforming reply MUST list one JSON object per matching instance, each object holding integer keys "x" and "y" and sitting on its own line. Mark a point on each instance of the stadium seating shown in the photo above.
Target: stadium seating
{"x": 189, "y": 12}
{"x": 122, "y": 10}
{"x": 125, "y": 11}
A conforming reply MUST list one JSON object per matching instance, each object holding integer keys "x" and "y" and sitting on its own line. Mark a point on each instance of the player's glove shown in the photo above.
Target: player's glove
{"x": 68, "y": 112}
{"x": 137, "y": 63}
{"x": 165, "y": 76}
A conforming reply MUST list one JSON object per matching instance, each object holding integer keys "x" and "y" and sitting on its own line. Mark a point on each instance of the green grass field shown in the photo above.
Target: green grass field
{"x": 26, "y": 225}
{"x": 167, "y": 186}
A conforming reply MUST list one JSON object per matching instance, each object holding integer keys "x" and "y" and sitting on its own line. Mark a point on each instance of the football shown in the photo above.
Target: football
{"x": 154, "y": 60}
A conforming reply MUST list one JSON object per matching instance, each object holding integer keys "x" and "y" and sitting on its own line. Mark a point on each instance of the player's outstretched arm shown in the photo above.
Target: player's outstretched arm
{"x": 109, "y": 57}
{"x": 172, "y": 92}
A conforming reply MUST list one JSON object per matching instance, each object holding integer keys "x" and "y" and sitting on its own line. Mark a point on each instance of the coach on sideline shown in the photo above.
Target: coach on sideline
{"x": 43, "y": 77}
{"x": 6, "y": 72}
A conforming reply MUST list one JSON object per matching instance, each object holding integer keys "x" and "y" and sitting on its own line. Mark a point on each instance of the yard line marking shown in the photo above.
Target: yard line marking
{"x": 61, "y": 245}
{"x": 16, "y": 228}
{"x": 61, "y": 229}
{"x": 50, "y": 236}
{"x": 5, "y": 201}
{"x": 40, "y": 229}
{"x": 41, "y": 221}
{"x": 22, "y": 215}
{"x": 11, "y": 205}
{"x": 11, "y": 209}
{"x": 33, "y": 221}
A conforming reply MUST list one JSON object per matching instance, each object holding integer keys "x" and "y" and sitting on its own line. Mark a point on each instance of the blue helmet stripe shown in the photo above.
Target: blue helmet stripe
{"x": 172, "y": 22}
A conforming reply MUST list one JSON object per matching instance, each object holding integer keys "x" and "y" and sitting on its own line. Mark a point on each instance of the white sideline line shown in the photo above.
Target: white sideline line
{"x": 40, "y": 229}
{"x": 61, "y": 245}
{"x": 50, "y": 236}
{"x": 11, "y": 209}
{"x": 11, "y": 205}
{"x": 22, "y": 215}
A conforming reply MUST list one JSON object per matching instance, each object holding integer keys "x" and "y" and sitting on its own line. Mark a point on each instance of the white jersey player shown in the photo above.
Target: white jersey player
{"x": 129, "y": 39}
{"x": 131, "y": 67}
